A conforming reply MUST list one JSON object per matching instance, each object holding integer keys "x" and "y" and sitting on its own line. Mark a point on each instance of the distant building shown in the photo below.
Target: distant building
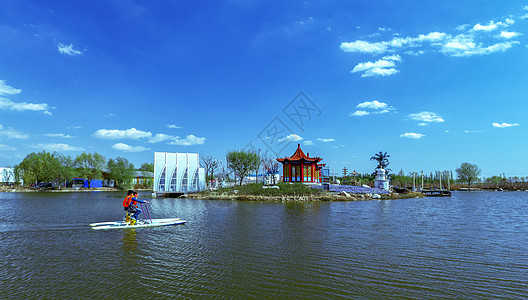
{"x": 301, "y": 167}
{"x": 85, "y": 183}
{"x": 178, "y": 173}
{"x": 7, "y": 175}
{"x": 143, "y": 178}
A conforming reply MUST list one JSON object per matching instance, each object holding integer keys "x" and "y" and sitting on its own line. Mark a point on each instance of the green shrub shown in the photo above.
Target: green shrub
{"x": 289, "y": 189}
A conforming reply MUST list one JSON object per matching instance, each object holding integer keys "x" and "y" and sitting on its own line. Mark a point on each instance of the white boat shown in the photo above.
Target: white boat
{"x": 139, "y": 224}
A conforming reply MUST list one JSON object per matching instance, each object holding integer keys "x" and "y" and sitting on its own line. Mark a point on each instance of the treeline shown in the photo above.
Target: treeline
{"x": 46, "y": 167}
{"x": 433, "y": 179}
{"x": 239, "y": 164}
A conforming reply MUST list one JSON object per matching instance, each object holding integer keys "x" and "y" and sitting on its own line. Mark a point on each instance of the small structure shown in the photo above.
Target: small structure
{"x": 143, "y": 178}
{"x": 301, "y": 167}
{"x": 381, "y": 181}
{"x": 84, "y": 183}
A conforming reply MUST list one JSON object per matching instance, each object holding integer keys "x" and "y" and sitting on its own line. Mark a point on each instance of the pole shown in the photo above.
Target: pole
{"x": 448, "y": 181}
{"x": 142, "y": 209}
{"x": 148, "y": 213}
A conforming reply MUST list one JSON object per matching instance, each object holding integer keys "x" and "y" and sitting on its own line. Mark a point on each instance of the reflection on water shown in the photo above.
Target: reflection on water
{"x": 129, "y": 241}
{"x": 471, "y": 245}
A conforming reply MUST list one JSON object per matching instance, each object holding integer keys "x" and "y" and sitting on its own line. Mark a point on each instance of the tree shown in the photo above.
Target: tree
{"x": 210, "y": 164}
{"x": 271, "y": 166}
{"x": 18, "y": 174}
{"x": 39, "y": 167}
{"x": 90, "y": 165}
{"x": 223, "y": 172}
{"x": 383, "y": 161}
{"x": 147, "y": 167}
{"x": 122, "y": 171}
{"x": 257, "y": 163}
{"x": 468, "y": 173}
{"x": 241, "y": 162}
{"x": 65, "y": 169}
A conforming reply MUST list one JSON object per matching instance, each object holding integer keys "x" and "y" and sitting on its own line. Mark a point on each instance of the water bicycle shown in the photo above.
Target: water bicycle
{"x": 146, "y": 222}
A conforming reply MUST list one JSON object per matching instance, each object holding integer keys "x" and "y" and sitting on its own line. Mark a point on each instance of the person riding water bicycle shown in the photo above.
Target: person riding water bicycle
{"x": 126, "y": 203}
{"x": 133, "y": 210}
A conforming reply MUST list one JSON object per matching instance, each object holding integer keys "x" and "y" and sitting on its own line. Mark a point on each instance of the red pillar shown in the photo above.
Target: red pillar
{"x": 290, "y": 166}
{"x": 313, "y": 173}
{"x": 302, "y": 172}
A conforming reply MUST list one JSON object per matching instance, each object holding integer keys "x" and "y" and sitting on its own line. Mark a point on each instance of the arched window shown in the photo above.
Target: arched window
{"x": 195, "y": 181}
{"x": 174, "y": 181}
{"x": 161, "y": 183}
{"x": 185, "y": 181}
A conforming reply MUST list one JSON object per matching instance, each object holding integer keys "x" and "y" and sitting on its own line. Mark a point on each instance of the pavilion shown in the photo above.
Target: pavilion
{"x": 292, "y": 166}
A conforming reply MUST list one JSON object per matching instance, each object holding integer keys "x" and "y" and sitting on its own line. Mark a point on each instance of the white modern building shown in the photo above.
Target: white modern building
{"x": 7, "y": 175}
{"x": 177, "y": 173}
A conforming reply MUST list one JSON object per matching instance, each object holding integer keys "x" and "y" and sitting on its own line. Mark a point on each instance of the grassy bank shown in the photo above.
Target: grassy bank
{"x": 289, "y": 192}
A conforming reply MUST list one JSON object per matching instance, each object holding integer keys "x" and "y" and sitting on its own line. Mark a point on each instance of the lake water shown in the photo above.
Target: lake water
{"x": 471, "y": 245}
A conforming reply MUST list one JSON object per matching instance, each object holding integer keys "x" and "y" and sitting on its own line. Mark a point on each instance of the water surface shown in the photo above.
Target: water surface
{"x": 471, "y": 245}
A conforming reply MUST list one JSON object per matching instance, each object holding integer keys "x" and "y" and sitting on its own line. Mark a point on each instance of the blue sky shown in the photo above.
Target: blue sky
{"x": 433, "y": 83}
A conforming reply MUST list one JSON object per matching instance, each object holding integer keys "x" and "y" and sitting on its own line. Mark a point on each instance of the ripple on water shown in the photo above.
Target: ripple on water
{"x": 472, "y": 245}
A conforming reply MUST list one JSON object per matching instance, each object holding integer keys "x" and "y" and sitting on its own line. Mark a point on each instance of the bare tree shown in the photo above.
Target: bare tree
{"x": 271, "y": 166}
{"x": 210, "y": 164}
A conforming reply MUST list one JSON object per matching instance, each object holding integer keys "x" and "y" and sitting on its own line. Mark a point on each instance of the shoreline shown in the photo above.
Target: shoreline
{"x": 303, "y": 198}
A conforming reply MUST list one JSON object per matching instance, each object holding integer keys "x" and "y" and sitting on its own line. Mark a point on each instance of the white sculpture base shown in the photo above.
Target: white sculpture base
{"x": 381, "y": 184}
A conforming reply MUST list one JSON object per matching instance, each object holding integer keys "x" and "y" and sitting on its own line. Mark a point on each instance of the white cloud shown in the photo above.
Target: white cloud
{"x": 113, "y": 134}
{"x": 422, "y": 124}
{"x": 127, "y": 148}
{"x": 12, "y": 133}
{"x": 464, "y": 45}
{"x": 376, "y": 106}
{"x": 509, "y": 34}
{"x": 291, "y": 138}
{"x": 325, "y": 140}
{"x": 391, "y": 45}
{"x": 427, "y": 116}
{"x": 7, "y": 148}
{"x": 474, "y": 131}
{"x": 59, "y": 135}
{"x": 372, "y": 104}
{"x": 504, "y": 125}
{"x": 525, "y": 7}
{"x": 68, "y": 49}
{"x": 174, "y": 126}
{"x": 74, "y": 127}
{"x": 308, "y": 143}
{"x": 364, "y": 47}
{"x": 475, "y": 40}
{"x": 491, "y": 26}
{"x": 412, "y": 135}
{"x": 8, "y": 90}
{"x": 7, "y": 104}
{"x": 382, "y": 67}
{"x": 189, "y": 140}
{"x": 160, "y": 137}
{"x": 359, "y": 113}
{"x": 57, "y": 147}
